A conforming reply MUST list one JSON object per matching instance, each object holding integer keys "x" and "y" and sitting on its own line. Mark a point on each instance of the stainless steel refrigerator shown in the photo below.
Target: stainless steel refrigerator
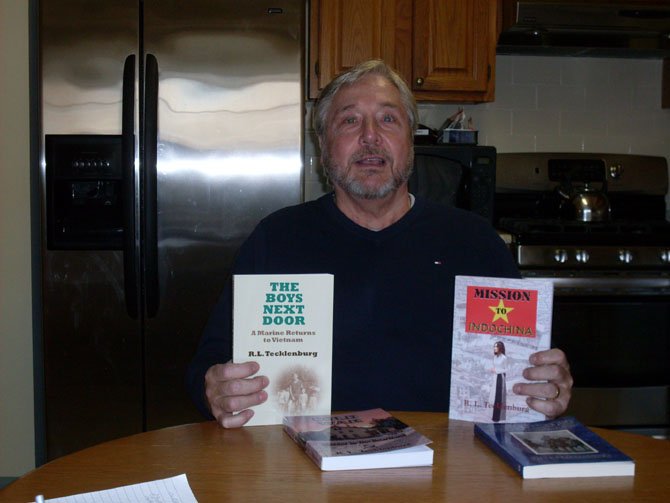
{"x": 167, "y": 130}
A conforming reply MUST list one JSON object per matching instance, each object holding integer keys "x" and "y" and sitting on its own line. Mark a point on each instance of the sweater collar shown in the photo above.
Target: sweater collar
{"x": 416, "y": 207}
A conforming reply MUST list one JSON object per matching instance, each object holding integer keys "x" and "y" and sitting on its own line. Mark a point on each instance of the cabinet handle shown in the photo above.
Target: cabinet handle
{"x": 419, "y": 81}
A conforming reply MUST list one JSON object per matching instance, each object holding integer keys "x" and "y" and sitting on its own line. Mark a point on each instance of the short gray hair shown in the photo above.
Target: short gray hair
{"x": 371, "y": 67}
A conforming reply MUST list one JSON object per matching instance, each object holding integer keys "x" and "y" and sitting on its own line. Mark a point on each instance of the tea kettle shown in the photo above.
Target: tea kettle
{"x": 586, "y": 203}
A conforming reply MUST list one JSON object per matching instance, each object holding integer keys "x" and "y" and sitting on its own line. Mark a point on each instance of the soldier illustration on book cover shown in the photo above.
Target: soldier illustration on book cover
{"x": 297, "y": 390}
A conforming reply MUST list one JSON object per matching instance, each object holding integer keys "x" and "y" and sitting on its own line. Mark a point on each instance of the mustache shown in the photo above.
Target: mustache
{"x": 367, "y": 152}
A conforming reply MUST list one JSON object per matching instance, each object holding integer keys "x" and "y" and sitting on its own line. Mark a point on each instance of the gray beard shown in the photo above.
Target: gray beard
{"x": 347, "y": 182}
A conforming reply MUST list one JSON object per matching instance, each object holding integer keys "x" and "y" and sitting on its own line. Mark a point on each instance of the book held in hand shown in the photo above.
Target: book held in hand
{"x": 285, "y": 323}
{"x": 498, "y": 324}
{"x": 359, "y": 440}
{"x": 560, "y": 447}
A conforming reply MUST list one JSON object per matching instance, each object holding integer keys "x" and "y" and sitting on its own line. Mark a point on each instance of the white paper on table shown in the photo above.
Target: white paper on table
{"x": 170, "y": 490}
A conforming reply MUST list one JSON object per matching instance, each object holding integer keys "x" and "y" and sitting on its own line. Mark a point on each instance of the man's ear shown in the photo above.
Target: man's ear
{"x": 321, "y": 143}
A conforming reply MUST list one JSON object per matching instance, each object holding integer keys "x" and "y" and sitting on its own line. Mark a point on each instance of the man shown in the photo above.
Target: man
{"x": 393, "y": 258}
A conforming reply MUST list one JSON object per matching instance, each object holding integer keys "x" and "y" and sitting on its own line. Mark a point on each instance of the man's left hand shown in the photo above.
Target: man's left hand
{"x": 551, "y": 397}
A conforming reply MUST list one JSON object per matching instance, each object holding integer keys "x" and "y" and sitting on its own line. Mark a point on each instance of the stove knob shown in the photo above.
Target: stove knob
{"x": 665, "y": 256}
{"x": 625, "y": 256}
{"x": 560, "y": 256}
{"x": 615, "y": 171}
{"x": 582, "y": 256}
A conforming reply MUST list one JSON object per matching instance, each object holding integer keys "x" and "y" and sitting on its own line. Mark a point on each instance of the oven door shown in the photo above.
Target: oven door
{"x": 615, "y": 331}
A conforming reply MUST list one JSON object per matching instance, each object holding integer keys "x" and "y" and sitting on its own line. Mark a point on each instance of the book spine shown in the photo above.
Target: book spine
{"x": 307, "y": 448}
{"x": 313, "y": 455}
{"x": 495, "y": 447}
{"x": 294, "y": 436}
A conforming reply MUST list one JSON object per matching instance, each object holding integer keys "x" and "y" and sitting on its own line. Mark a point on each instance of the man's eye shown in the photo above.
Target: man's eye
{"x": 389, "y": 118}
{"x": 349, "y": 120}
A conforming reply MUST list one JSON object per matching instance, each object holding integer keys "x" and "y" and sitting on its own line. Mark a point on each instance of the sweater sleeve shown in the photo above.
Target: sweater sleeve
{"x": 216, "y": 342}
{"x": 214, "y": 347}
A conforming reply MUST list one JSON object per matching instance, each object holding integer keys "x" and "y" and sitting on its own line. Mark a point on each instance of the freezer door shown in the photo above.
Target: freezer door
{"x": 92, "y": 349}
{"x": 229, "y": 111}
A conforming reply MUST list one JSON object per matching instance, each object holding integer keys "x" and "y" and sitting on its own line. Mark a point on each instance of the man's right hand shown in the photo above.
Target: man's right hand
{"x": 230, "y": 391}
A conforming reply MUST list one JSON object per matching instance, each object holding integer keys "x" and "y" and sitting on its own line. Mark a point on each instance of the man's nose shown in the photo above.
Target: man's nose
{"x": 370, "y": 133}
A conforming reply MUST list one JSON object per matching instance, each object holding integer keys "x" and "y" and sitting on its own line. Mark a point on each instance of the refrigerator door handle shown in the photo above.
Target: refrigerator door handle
{"x": 150, "y": 186}
{"x": 130, "y": 257}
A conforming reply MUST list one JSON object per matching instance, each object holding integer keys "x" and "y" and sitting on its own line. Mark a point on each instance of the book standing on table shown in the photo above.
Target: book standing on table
{"x": 285, "y": 323}
{"x": 498, "y": 324}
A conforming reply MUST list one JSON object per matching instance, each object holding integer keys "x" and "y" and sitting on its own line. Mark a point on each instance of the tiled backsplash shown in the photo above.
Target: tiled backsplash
{"x": 556, "y": 104}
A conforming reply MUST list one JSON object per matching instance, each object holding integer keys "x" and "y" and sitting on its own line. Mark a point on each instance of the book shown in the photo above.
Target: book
{"x": 561, "y": 447}
{"x": 285, "y": 323}
{"x": 498, "y": 324}
{"x": 359, "y": 440}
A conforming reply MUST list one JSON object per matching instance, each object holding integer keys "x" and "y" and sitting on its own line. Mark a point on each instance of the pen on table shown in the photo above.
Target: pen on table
{"x": 39, "y": 499}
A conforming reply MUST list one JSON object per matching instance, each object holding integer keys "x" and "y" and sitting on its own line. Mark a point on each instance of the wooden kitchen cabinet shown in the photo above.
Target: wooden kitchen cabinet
{"x": 445, "y": 49}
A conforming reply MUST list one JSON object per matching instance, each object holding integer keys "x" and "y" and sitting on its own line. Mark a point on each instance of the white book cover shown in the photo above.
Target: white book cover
{"x": 285, "y": 323}
{"x": 498, "y": 324}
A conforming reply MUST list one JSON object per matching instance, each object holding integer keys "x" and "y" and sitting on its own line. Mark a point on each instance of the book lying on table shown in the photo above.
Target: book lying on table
{"x": 560, "y": 447}
{"x": 498, "y": 324}
{"x": 359, "y": 440}
{"x": 285, "y": 323}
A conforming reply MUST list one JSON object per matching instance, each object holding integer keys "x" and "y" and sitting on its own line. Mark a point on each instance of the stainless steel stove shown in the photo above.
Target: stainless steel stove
{"x": 596, "y": 224}
{"x": 564, "y": 244}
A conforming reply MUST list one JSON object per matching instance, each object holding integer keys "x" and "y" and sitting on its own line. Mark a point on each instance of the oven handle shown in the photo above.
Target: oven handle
{"x": 611, "y": 286}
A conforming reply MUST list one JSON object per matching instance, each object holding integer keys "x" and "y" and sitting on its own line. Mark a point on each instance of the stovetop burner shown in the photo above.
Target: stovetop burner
{"x": 555, "y": 231}
{"x": 535, "y": 190}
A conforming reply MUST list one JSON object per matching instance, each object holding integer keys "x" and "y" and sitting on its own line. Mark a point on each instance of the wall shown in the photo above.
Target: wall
{"x": 560, "y": 104}
{"x": 16, "y": 358}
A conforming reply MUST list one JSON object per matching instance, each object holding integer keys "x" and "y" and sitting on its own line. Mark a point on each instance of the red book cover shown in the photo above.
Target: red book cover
{"x": 498, "y": 324}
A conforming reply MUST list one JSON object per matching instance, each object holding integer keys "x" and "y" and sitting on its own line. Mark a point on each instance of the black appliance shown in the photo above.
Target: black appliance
{"x": 611, "y": 276}
{"x": 457, "y": 175}
{"x": 84, "y": 192}
{"x": 570, "y": 28}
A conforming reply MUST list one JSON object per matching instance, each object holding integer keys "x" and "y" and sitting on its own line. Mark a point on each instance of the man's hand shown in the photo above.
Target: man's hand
{"x": 230, "y": 391}
{"x": 551, "y": 398}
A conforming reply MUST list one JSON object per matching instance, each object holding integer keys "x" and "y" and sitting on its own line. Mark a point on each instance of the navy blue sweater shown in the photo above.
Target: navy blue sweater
{"x": 393, "y": 296}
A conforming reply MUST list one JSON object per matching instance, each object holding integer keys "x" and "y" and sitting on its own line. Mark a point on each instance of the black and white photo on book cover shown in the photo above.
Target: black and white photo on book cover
{"x": 285, "y": 323}
{"x": 546, "y": 443}
{"x": 561, "y": 447}
{"x": 498, "y": 324}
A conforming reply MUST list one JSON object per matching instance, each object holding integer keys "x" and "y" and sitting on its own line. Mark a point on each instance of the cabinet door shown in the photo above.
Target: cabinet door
{"x": 346, "y": 32}
{"x": 445, "y": 49}
{"x": 454, "y": 49}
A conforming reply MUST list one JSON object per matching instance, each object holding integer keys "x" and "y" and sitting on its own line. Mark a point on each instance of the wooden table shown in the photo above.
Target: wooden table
{"x": 262, "y": 464}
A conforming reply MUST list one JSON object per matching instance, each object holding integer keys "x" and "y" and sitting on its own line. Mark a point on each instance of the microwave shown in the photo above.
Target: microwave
{"x": 457, "y": 175}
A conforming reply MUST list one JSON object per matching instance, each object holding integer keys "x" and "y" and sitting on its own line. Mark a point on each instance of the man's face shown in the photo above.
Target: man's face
{"x": 367, "y": 148}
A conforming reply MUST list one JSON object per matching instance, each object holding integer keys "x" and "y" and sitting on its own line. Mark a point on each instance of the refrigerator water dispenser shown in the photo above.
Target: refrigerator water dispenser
{"x": 84, "y": 192}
